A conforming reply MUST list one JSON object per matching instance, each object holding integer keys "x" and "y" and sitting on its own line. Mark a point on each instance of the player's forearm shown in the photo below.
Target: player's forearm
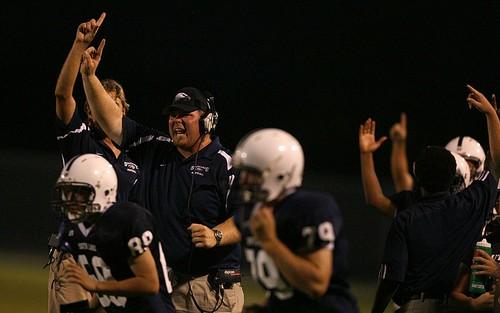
{"x": 399, "y": 167}
{"x": 494, "y": 136}
{"x": 128, "y": 287}
{"x": 299, "y": 272}
{"x": 371, "y": 186}
{"x": 69, "y": 71}
{"x": 230, "y": 232}
{"x": 496, "y": 302}
{"x": 463, "y": 301}
{"x": 458, "y": 294}
{"x": 65, "y": 103}
{"x": 103, "y": 108}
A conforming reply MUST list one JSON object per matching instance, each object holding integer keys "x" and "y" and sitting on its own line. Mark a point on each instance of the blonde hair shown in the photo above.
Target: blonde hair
{"x": 112, "y": 85}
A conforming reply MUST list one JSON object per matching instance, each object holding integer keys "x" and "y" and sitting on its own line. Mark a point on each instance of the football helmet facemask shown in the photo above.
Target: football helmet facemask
{"x": 85, "y": 189}
{"x": 470, "y": 149}
{"x": 270, "y": 161}
{"x": 462, "y": 177}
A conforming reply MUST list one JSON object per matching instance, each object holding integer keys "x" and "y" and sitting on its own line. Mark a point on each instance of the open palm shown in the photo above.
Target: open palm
{"x": 367, "y": 142}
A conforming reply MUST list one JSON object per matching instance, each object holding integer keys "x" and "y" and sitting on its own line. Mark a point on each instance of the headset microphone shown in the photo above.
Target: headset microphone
{"x": 207, "y": 124}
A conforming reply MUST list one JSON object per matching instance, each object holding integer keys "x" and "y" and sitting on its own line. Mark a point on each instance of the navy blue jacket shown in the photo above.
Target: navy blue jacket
{"x": 182, "y": 191}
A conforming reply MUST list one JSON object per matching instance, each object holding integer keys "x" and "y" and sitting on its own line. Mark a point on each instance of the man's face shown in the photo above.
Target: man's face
{"x": 184, "y": 128}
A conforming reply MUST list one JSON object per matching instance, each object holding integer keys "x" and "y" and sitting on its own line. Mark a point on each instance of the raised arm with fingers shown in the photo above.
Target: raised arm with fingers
{"x": 65, "y": 103}
{"x": 478, "y": 100}
{"x": 103, "y": 107}
{"x": 372, "y": 190}
{"x": 399, "y": 161}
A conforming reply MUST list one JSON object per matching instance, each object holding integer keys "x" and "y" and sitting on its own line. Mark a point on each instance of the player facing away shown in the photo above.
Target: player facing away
{"x": 293, "y": 238}
{"x": 120, "y": 260}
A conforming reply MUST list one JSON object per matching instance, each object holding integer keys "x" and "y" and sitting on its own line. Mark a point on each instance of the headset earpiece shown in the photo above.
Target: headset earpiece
{"x": 209, "y": 120}
{"x": 207, "y": 123}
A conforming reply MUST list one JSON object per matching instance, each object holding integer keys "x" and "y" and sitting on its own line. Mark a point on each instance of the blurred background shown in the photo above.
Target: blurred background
{"x": 316, "y": 69}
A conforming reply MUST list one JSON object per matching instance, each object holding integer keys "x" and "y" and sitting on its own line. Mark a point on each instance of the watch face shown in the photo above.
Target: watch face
{"x": 218, "y": 235}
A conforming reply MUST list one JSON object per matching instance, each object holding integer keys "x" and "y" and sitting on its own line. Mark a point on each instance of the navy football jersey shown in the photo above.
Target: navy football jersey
{"x": 77, "y": 138}
{"x": 123, "y": 232}
{"x": 306, "y": 221}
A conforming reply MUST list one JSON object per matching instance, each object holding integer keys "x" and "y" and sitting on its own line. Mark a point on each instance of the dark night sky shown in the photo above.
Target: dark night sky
{"x": 315, "y": 69}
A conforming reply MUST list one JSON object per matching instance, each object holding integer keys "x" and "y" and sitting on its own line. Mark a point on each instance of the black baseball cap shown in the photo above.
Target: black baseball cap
{"x": 187, "y": 99}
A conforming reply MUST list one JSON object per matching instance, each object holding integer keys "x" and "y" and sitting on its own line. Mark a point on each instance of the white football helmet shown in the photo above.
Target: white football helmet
{"x": 275, "y": 156}
{"x": 470, "y": 149}
{"x": 86, "y": 188}
{"x": 462, "y": 178}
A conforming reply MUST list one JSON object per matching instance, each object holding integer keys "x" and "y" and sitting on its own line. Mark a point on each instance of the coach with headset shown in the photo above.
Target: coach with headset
{"x": 185, "y": 182}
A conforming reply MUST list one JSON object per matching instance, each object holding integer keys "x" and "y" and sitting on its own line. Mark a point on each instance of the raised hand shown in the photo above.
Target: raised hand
{"x": 367, "y": 142}
{"x": 91, "y": 58}
{"x": 87, "y": 31}
{"x": 479, "y": 101}
{"x": 398, "y": 131}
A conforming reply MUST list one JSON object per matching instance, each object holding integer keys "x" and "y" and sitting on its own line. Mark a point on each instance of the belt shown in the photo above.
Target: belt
{"x": 214, "y": 278}
{"x": 179, "y": 278}
{"x": 428, "y": 295}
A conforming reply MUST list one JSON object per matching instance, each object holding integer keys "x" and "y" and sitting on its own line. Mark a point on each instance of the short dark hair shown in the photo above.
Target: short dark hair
{"x": 435, "y": 168}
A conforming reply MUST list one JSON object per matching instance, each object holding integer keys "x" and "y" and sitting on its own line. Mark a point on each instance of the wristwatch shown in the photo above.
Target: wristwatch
{"x": 218, "y": 237}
